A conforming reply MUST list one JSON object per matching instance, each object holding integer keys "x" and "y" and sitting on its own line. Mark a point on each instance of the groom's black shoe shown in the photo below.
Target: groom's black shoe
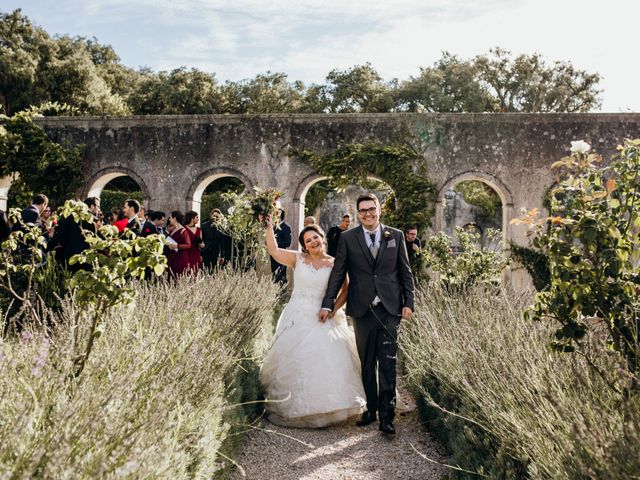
{"x": 387, "y": 428}
{"x": 366, "y": 418}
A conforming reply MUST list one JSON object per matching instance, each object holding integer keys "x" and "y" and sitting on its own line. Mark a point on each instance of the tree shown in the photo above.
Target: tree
{"x": 359, "y": 89}
{"x": 266, "y": 93}
{"x": 451, "y": 85}
{"x": 38, "y": 69}
{"x": 526, "y": 84}
{"x": 180, "y": 91}
{"x": 23, "y": 48}
{"x": 41, "y": 165}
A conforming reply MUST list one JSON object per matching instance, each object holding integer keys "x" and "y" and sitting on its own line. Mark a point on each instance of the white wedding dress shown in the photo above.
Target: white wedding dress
{"x": 311, "y": 373}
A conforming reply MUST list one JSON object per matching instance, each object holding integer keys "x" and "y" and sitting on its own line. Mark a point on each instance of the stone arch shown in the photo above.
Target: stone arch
{"x": 102, "y": 177}
{"x": 297, "y": 219}
{"x": 496, "y": 184}
{"x": 194, "y": 195}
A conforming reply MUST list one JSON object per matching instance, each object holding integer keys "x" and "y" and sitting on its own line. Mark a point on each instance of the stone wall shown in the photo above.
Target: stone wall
{"x": 173, "y": 158}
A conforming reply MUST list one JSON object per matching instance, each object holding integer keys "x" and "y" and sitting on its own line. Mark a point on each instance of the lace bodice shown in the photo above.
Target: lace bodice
{"x": 309, "y": 281}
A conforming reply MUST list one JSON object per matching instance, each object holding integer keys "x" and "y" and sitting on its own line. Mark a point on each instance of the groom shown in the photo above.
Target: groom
{"x": 380, "y": 294}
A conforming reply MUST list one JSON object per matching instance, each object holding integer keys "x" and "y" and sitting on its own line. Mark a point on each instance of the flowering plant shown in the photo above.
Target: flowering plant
{"x": 265, "y": 203}
{"x": 387, "y": 235}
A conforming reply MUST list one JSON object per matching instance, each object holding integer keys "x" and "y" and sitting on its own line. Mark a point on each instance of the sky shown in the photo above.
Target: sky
{"x": 306, "y": 39}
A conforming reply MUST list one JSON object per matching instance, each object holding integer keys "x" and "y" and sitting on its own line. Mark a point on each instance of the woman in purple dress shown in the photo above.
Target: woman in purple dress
{"x": 178, "y": 258}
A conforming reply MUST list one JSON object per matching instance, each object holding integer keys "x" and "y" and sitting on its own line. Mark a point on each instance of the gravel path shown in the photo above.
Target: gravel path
{"x": 341, "y": 452}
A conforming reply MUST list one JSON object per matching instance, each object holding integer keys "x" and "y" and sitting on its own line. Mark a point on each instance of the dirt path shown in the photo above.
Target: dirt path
{"x": 341, "y": 452}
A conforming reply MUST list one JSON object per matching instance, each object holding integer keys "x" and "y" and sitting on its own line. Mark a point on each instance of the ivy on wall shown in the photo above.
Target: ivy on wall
{"x": 395, "y": 164}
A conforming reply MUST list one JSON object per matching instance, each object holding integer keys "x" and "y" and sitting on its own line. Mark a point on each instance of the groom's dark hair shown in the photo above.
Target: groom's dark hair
{"x": 365, "y": 197}
{"x": 309, "y": 228}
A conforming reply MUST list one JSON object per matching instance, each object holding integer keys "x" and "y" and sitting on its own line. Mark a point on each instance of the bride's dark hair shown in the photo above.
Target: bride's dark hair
{"x": 309, "y": 228}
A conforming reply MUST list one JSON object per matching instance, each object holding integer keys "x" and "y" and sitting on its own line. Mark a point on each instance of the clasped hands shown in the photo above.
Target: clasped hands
{"x": 324, "y": 315}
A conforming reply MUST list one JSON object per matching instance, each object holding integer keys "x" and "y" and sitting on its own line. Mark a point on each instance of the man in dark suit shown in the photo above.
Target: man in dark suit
{"x": 283, "y": 239}
{"x": 217, "y": 244}
{"x": 380, "y": 293}
{"x": 333, "y": 235}
{"x": 69, "y": 238}
{"x": 139, "y": 226}
{"x": 31, "y": 214}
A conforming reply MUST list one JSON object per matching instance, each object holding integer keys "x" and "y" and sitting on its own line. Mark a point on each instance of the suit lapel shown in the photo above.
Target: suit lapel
{"x": 383, "y": 245}
{"x": 363, "y": 245}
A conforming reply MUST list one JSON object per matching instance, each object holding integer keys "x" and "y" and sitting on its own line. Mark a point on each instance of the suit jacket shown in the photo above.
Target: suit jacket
{"x": 68, "y": 238}
{"x": 31, "y": 214}
{"x": 148, "y": 228}
{"x": 388, "y": 275}
{"x": 217, "y": 244}
{"x": 134, "y": 225}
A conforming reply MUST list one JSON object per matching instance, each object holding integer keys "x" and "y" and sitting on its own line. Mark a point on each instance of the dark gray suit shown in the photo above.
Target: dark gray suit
{"x": 389, "y": 277}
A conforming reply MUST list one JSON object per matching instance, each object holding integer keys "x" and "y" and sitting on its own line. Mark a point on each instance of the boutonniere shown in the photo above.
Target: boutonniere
{"x": 387, "y": 235}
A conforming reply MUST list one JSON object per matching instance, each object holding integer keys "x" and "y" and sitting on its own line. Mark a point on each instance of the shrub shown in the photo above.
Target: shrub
{"x": 468, "y": 266}
{"x": 156, "y": 398}
{"x": 592, "y": 241}
{"x": 507, "y": 406}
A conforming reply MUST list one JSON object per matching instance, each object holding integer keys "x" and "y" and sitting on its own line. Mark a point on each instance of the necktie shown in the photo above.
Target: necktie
{"x": 373, "y": 248}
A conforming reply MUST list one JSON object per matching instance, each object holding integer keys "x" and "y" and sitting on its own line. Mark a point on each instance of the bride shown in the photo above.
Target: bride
{"x": 311, "y": 373}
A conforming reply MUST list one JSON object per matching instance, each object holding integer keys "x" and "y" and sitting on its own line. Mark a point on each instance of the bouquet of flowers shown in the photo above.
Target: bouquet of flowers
{"x": 265, "y": 202}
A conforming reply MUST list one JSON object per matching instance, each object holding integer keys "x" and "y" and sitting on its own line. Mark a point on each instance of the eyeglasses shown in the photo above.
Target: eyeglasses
{"x": 370, "y": 211}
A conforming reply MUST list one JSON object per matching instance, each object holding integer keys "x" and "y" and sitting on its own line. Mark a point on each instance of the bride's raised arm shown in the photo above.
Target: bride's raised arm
{"x": 280, "y": 255}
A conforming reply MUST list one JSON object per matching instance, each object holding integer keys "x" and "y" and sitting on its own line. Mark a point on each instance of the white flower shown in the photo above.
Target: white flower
{"x": 580, "y": 146}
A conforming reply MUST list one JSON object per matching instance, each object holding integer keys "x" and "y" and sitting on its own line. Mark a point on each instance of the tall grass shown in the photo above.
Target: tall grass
{"x": 508, "y": 407}
{"x": 158, "y": 395}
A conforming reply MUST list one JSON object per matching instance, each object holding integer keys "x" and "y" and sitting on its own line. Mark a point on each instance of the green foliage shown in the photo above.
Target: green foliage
{"x": 469, "y": 265}
{"x": 180, "y": 91}
{"x": 37, "y": 164}
{"x": 81, "y": 72}
{"x": 110, "y": 199}
{"x": 353, "y": 163}
{"x": 592, "y": 242}
{"x": 111, "y": 261}
{"x": 38, "y": 68}
{"x": 243, "y": 225}
{"x": 213, "y": 196}
{"x": 450, "y": 85}
{"x": 315, "y": 197}
{"x": 527, "y": 84}
{"x": 20, "y": 257}
{"x": 159, "y": 397}
{"x": 536, "y": 263}
{"x": 482, "y": 196}
{"x": 505, "y": 407}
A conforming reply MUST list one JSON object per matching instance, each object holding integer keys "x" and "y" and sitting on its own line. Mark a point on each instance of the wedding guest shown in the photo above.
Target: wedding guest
{"x": 217, "y": 244}
{"x": 414, "y": 246}
{"x": 333, "y": 235}
{"x": 69, "y": 238}
{"x": 109, "y": 218}
{"x": 49, "y": 222}
{"x": 180, "y": 243}
{"x": 130, "y": 209}
{"x": 5, "y": 226}
{"x": 191, "y": 220}
{"x": 31, "y": 214}
{"x": 283, "y": 239}
{"x": 158, "y": 219}
{"x": 120, "y": 219}
{"x": 309, "y": 221}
